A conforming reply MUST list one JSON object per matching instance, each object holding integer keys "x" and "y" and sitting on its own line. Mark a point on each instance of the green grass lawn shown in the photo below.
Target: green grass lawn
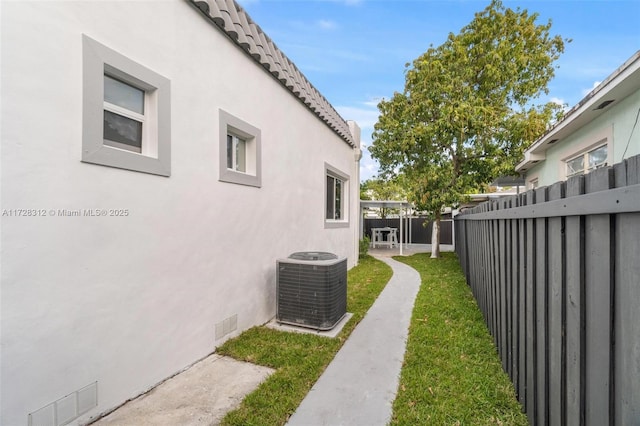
{"x": 452, "y": 374}
{"x": 299, "y": 359}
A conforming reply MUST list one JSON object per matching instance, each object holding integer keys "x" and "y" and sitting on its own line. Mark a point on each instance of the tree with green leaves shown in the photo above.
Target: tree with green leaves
{"x": 383, "y": 190}
{"x": 467, "y": 112}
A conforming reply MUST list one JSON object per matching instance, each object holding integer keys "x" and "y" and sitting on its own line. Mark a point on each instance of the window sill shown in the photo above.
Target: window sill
{"x": 329, "y": 224}
{"x": 240, "y": 178}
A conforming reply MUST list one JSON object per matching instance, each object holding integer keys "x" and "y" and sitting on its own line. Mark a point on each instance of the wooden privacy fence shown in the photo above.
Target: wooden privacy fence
{"x": 556, "y": 274}
{"x": 418, "y": 232}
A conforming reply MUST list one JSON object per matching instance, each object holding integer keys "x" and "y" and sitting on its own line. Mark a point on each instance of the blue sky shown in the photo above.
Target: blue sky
{"x": 354, "y": 51}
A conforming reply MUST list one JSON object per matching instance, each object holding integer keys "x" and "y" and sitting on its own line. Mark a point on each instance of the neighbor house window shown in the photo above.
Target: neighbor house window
{"x": 336, "y": 197}
{"x": 126, "y": 112}
{"x": 588, "y": 161}
{"x": 240, "y": 151}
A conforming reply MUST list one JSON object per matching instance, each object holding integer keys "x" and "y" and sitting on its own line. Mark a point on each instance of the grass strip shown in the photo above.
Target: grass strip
{"x": 299, "y": 359}
{"x": 452, "y": 374}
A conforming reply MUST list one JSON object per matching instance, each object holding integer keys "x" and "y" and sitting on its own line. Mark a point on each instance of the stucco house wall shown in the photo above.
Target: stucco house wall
{"x": 614, "y": 125}
{"x": 117, "y": 303}
{"x": 608, "y": 115}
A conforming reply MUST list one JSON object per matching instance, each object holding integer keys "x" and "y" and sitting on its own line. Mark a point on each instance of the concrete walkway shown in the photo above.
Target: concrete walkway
{"x": 360, "y": 384}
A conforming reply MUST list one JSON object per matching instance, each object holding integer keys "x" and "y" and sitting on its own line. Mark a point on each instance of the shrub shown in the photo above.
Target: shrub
{"x": 364, "y": 246}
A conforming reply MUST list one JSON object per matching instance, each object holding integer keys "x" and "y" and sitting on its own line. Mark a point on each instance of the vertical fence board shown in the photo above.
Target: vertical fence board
{"x": 494, "y": 278}
{"x": 598, "y": 257}
{"x": 502, "y": 291}
{"x": 531, "y": 316}
{"x": 574, "y": 325}
{"x": 498, "y": 232}
{"x": 522, "y": 308}
{"x": 555, "y": 309}
{"x": 486, "y": 267}
{"x": 506, "y": 241}
{"x": 515, "y": 302}
{"x": 541, "y": 313}
{"x": 561, "y": 296}
{"x": 627, "y": 304}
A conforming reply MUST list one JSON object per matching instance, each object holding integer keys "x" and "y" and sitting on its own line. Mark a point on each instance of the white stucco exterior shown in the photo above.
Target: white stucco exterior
{"x": 127, "y": 301}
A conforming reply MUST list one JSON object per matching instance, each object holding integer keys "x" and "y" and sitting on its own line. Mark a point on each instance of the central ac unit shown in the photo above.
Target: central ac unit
{"x": 311, "y": 290}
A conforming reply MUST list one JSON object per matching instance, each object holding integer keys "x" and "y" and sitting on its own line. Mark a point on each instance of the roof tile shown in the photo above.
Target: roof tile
{"x": 232, "y": 19}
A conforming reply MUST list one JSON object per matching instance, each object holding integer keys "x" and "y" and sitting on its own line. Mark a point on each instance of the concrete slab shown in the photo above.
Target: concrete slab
{"x": 359, "y": 385}
{"x": 201, "y": 395}
{"x": 293, "y": 329}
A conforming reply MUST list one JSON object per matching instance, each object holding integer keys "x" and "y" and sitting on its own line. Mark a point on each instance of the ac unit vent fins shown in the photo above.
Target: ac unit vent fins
{"x": 311, "y": 290}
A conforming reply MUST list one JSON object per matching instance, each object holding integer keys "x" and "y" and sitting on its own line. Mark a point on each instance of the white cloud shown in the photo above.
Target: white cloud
{"x": 365, "y": 117}
{"x": 349, "y": 2}
{"x": 585, "y": 92}
{"x": 368, "y": 166}
{"x": 326, "y": 24}
{"x": 557, "y": 101}
{"x": 373, "y": 102}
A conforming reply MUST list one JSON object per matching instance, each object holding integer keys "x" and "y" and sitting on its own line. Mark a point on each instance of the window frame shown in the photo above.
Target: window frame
{"x": 230, "y": 125}
{"x": 236, "y": 142}
{"x": 141, "y": 118}
{"x": 336, "y": 175}
{"x": 155, "y": 155}
{"x": 585, "y": 160}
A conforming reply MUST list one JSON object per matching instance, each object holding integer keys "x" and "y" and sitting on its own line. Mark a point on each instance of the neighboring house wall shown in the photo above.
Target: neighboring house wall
{"x": 602, "y": 129}
{"x": 126, "y": 301}
{"x": 612, "y": 128}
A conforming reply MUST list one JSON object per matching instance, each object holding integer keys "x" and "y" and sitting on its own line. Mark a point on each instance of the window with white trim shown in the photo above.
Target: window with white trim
{"x": 587, "y": 161}
{"x": 236, "y": 153}
{"x": 336, "y": 197}
{"x": 126, "y": 112}
{"x": 240, "y": 151}
{"x": 124, "y": 115}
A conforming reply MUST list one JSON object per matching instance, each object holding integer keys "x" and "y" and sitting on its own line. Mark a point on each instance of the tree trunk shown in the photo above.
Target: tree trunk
{"x": 435, "y": 238}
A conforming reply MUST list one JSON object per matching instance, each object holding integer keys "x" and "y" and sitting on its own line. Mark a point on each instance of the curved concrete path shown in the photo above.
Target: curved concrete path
{"x": 359, "y": 385}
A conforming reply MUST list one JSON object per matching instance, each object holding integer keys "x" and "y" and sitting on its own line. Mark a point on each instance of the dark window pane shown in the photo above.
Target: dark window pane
{"x": 330, "y": 197}
{"x": 122, "y": 130}
{"x": 338, "y": 210}
{"x": 229, "y": 152}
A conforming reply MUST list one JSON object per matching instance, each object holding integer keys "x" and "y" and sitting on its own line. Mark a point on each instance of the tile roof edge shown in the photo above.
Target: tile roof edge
{"x": 230, "y": 18}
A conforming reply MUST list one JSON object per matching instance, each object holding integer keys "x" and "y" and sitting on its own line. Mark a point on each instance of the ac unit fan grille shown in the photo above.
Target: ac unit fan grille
{"x": 311, "y": 294}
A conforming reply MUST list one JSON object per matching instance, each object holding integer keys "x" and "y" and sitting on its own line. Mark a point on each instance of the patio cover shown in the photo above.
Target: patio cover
{"x": 401, "y": 205}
